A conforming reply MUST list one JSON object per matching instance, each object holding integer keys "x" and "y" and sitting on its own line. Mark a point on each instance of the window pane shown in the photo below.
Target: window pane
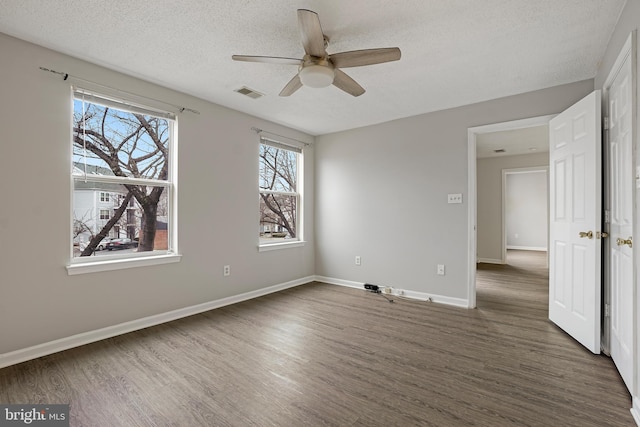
{"x": 277, "y": 217}
{"x": 278, "y": 169}
{"x": 133, "y": 218}
{"x": 108, "y": 141}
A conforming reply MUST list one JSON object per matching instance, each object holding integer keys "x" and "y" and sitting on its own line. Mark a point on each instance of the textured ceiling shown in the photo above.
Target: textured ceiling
{"x": 529, "y": 140}
{"x": 454, "y": 52}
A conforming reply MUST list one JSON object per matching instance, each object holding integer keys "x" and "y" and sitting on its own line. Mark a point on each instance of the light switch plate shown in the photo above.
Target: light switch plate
{"x": 454, "y": 198}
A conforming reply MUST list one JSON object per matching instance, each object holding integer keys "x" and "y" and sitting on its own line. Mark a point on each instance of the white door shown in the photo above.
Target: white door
{"x": 620, "y": 206}
{"x": 574, "y": 224}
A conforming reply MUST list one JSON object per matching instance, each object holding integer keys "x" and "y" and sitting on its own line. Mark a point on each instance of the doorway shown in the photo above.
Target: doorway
{"x": 525, "y": 208}
{"x": 501, "y": 137}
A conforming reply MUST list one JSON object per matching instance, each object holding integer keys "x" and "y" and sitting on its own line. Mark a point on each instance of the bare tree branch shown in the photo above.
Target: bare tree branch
{"x": 95, "y": 241}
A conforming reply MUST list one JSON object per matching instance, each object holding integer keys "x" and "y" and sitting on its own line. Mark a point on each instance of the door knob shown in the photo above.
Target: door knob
{"x": 587, "y": 234}
{"x": 622, "y": 242}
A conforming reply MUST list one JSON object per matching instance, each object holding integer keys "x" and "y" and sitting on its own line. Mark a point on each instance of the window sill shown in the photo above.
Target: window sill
{"x": 120, "y": 264}
{"x": 277, "y": 246}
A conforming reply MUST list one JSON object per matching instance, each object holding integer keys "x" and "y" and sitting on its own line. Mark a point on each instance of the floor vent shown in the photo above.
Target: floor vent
{"x": 249, "y": 92}
{"x": 500, "y": 150}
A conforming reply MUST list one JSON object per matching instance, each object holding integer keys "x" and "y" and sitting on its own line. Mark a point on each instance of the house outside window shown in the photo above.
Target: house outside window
{"x": 123, "y": 179}
{"x": 280, "y": 193}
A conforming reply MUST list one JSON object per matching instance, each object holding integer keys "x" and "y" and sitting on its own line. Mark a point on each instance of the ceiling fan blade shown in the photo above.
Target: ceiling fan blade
{"x": 347, "y": 84}
{"x": 357, "y": 58}
{"x": 311, "y": 33}
{"x": 293, "y": 85}
{"x": 267, "y": 59}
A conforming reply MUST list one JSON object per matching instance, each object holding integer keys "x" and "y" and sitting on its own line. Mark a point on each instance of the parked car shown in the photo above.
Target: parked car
{"x": 103, "y": 244}
{"x": 121, "y": 244}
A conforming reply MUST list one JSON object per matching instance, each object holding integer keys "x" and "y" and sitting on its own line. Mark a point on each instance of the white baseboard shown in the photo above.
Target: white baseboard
{"x": 44, "y": 349}
{"x": 490, "y": 261}
{"x": 527, "y": 248}
{"x": 421, "y": 296}
{"x": 29, "y": 353}
{"x": 635, "y": 410}
{"x": 339, "y": 282}
{"x": 441, "y": 299}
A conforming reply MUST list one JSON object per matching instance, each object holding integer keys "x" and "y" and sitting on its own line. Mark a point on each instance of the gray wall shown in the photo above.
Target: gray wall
{"x": 526, "y": 210}
{"x": 489, "y": 188}
{"x": 218, "y": 209}
{"x": 381, "y": 193}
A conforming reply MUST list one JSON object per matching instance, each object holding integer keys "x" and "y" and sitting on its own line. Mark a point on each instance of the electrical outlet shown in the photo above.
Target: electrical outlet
{"x": 226, "y": 270}
{"x": 440, "y": 269}
{"x": 387, "y": 290}
{"x": 358, "y": 260}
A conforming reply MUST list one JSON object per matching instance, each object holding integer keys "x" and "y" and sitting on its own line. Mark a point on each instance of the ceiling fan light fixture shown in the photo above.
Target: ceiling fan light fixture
{"x": 316, "y": 76}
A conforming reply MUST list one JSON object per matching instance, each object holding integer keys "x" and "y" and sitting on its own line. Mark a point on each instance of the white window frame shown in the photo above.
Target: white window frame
{"x": 105, "y": 196}
{"x": 108, "y": 216}
{"x": 299, "y": 240}
{"x": 82, "y": 265}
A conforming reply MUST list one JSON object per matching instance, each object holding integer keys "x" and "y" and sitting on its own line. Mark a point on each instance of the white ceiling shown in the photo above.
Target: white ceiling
{"x": 515, "y": 142}
{"x": 454, "y": 52}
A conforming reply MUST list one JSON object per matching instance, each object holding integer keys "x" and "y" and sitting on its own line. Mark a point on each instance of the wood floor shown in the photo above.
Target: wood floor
{"x": 326, "y": 355}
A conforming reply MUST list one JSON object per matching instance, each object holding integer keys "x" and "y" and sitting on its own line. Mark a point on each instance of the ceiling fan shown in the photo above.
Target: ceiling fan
{"x": 318, "y": 68}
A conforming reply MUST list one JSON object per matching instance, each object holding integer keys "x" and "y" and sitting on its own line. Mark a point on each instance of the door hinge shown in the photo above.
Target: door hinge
{"x": 605, "y": 123}
{"x": 606, "y": 310}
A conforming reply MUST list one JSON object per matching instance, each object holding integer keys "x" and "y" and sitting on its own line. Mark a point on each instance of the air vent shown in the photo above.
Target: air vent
{"x": 249, "y": 92}
{"x": 500, "y": 150}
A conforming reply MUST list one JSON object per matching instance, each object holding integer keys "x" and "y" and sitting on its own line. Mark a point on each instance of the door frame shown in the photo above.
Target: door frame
{"x": 521, "y": 171}
{"x": 472, "y": 206}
